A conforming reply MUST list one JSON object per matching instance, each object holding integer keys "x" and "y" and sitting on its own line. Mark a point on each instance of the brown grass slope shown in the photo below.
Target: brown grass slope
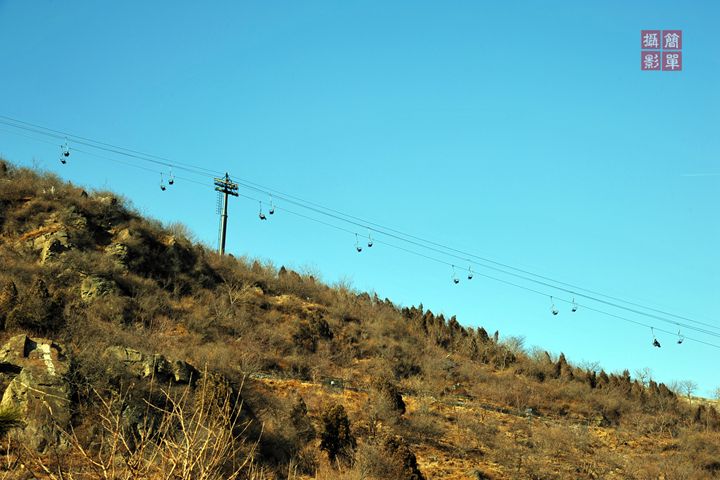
{"x": 333, "y": 383}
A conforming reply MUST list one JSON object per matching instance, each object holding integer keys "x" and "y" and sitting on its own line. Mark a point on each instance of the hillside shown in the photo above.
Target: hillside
{"x": 130, "y": 351}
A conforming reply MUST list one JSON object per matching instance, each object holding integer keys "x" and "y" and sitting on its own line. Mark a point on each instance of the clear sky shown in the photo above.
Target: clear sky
{"x": 520, "y": 132}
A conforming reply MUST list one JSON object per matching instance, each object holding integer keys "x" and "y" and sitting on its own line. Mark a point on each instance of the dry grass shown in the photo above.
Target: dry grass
{"x": 189, "y": 435}
{"x": 242, "y": 315}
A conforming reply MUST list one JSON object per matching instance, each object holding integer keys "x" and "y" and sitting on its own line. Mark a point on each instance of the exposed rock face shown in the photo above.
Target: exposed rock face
{"x": 53, "y": 247}
{"x": 118, "y": 252}
{"x": 39, "y": 388}
{"x": 600, "y": 420}
{"x": 70, "y": 216}
{"x": 52, "y": 241}
{"x": 108, "y": 200}
{"x": 123, "y": 235}
{"x": 149, "y": 365}
{"x": 184, "y": 372}
{"x": 75, "y": 218}
{"x": 96, "y": 286}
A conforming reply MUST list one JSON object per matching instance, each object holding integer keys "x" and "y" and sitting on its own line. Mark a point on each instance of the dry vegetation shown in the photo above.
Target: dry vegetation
{"x": 424, "y": 396}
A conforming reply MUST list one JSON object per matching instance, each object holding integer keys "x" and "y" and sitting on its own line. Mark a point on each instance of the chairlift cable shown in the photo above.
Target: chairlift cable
{"x": 340, "y": 216}
{"x": 194, "y": 169}
{"x": 60, "y": 134}
{"x": 439, "y": 251}
{"x": 523, "y": 287}
{"x": 566, "y": 290}
{"x": 107, "y": 147}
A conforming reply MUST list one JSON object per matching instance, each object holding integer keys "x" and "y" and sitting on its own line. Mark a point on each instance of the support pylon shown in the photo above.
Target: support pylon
{"x": 226, "y": 187}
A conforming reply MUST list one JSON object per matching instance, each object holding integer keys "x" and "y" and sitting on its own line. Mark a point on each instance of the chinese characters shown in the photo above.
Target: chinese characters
{"x": 661, "y": 50}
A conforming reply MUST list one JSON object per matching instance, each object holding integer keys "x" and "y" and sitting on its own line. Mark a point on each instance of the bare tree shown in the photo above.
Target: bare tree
{"x": 716, "y": 393}
{"x": 311, "y": 269}
{"x": 688, "y": 387}
{"x": 588, "y": 365}
{"x": 514, "y": 343}
{"x": 644, "y": 375}
{"x": 536, "y": 353}
{"x": 344, "y": 285}
{"x": 196, "y": 436}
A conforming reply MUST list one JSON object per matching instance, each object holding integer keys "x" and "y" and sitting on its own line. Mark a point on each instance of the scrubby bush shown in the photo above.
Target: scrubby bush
{"x": 36, "y": 311}
{"x": 309, "y": 333}
{"x": 241, "y": 315}
{"x": 8, "y": 301}
{"x": 391, "y": 394}
{"x": 389, "y": 459}
{"x": 10, "y": 417}
{"x": 300, "y": 420}
{"x": 336, "y": 438}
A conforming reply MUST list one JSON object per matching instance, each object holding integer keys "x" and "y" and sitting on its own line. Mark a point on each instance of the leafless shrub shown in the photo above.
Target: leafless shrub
{"x": 423, "y": 424}
{"x": 192, "y": 435}
{"x": 179, "y": 229}
{"x": 515, "y": 344}
{"x": 371, "y": 461}
{"x": 589, "y": 365}
{"x": 389, "y": 459}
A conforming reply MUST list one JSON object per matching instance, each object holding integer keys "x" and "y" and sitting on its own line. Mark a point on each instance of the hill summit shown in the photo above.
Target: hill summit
{"x": 131, "y": 351}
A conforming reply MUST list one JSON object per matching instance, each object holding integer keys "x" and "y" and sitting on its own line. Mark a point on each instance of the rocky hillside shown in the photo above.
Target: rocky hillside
{"x": 129, "y": 351}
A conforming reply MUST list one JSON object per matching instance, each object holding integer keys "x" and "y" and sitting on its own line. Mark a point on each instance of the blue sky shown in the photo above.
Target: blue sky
{"x": 520, "y": 132}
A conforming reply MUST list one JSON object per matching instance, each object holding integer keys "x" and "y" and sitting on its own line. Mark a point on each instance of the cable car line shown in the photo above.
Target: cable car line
{"x": 573, "y": 302}
{"x": 107, "y": 158}
{"x": 444, "y": 250}
{"x": 110, "y": 148}
{"x": 567, "y": 290}
{"x": 138, "y": 166}
{"x": 58, "y": 134}
{"x": 364, "y": 224}
{"x": 585, "y": 307}
{"x": 440, "y": 251}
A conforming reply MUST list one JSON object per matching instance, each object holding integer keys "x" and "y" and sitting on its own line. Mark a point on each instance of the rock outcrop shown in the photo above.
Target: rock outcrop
{"x": 153, "y": 365}
{"x": 96, "y": 286}
{"x": 34, "y": 375}
{"x": 214, "y": 389}
{"x": 53, "y": 245}
{"x": 119, "y": 253}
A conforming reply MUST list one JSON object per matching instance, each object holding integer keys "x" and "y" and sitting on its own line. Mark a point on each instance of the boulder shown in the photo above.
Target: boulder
{"x": 108, "y": 200}
{"x": 126, "y": 355}
{"x": 39, "y": 389}
{"x": 600, "y": 420}
{"x": 184, "y": 372}
{"x": 123, "y": 235}
{"x": 153, "y": 365}
{"x": 52, "y": 243}
{"x": 96, "y": 286}
{"x": 69, "y": 216}
{"x": 52, "y": 248}
{"x": 119, "y": 253}
{"x": 75, "y": 218}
